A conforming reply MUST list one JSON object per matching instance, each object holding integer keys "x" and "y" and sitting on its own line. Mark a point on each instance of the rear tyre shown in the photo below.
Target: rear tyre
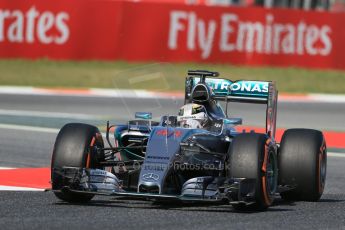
{"x": 302, "y": 164}
{"x": 74, "y": 147}
{"x": 252, "y": 156}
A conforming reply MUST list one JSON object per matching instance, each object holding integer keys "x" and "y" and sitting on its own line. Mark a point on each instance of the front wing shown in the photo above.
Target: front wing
{"x": 199, "y": 189}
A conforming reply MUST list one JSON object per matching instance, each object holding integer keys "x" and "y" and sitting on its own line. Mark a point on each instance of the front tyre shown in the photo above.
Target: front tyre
{"x": 253, "y": 156}
{"x": 74, "y": 147}
{"x": 302, "y": 163}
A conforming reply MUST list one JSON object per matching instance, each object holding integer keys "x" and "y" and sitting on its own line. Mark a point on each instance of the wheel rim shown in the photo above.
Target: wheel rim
{"x": 322, "y": 170}
{"x": 271, "y": 174}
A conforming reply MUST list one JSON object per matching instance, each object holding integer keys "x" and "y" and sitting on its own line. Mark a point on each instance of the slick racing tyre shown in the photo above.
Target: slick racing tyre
{"x": 74, "y": 147}
{"x": 252, "y": 156}
{"x": 302, "y": 164}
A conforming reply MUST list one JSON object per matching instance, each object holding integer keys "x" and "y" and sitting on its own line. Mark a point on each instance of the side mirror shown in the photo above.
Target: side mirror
{"x": 143, "y": 115}
{"x": 233, "y": 121}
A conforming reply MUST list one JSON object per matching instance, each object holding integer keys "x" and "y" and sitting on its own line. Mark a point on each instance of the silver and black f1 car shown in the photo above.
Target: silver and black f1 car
{"x": 195, "y": 156}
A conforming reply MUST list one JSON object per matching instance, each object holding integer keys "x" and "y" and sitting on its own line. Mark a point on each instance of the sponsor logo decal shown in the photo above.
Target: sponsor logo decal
{"x": 164, "y": 132}
{"x": 34, "y": 26}
{"x": 150, "y": 177}
{"x": 231, "y": 32}
{"x": 221, "y": 86}
{"x": 260, "y": 87}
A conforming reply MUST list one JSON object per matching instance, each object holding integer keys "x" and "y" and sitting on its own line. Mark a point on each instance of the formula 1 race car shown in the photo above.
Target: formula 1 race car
{"x": 195, "y": 156}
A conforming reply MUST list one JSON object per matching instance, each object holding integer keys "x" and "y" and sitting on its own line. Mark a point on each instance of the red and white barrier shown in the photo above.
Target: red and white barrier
{"x": 171, "y": 32}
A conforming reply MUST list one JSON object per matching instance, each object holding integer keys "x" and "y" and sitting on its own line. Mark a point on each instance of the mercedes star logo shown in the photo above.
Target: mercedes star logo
{"x": 150, "y": 176}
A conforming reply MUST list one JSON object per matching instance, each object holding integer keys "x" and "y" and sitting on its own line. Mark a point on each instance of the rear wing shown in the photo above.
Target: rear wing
{"x": 245, "y": 91}
{"x": 237, "y": 91}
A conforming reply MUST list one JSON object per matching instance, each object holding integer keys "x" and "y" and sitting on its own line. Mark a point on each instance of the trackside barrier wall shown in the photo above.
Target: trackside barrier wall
{"x": 153, "y": 31}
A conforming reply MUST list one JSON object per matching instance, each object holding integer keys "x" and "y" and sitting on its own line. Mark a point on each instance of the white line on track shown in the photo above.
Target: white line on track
{"x": 328, "y": 98}
{"x": 45, "y": 114}
{"x": 1, "y": 168}
{"x": 29, "y": 128}
{"x": 330, "y": 154}
{"x": 14, "y": 188}
{"x": 92, "y": 92}
{"x": 35, "y": 129}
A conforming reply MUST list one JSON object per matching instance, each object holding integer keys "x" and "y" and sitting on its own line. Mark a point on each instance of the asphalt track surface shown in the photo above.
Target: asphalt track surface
{"x": 41, "y": 210}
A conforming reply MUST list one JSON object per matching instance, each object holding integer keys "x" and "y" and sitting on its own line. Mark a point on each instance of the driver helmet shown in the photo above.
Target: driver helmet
{"x": 193, "y": 116}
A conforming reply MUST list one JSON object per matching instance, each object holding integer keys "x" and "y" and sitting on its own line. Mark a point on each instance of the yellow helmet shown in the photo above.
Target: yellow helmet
{"x": 192, "y": 116}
